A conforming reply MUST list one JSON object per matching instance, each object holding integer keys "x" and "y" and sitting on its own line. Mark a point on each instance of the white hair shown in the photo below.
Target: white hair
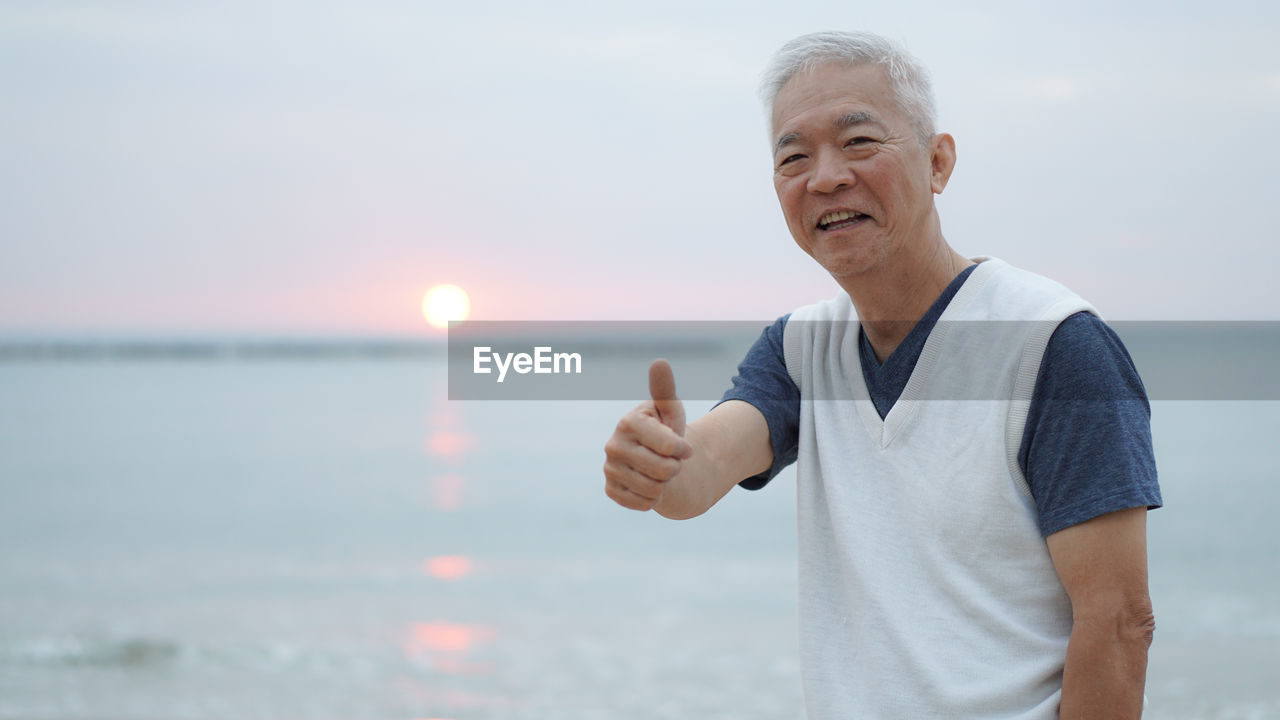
{"x": 908, "y": 78}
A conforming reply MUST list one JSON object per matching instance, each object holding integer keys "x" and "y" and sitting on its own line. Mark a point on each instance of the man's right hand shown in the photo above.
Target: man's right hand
{"x": 648, "y": 446}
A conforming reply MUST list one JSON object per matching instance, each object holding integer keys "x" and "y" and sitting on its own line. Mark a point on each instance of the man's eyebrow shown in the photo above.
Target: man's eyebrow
{"x": 785, "y": 140}
{"x": 849, "y": 120}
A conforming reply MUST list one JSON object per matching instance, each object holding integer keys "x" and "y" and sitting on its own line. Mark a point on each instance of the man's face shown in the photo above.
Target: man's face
{"x": 854, "y": 182}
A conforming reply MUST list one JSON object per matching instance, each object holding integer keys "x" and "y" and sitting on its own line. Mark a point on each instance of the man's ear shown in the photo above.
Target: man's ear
{"x": 942, "y": 159}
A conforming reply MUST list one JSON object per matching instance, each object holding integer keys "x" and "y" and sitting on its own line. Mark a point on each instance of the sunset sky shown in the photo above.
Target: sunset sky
{"x": 314, "y": 168}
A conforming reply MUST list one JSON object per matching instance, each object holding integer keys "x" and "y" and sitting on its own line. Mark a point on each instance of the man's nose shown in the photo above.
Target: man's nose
{"x": 831, "y": 173}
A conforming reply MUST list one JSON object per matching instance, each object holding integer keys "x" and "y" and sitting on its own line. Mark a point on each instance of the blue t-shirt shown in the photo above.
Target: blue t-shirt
{"x": 1086, "y": 449}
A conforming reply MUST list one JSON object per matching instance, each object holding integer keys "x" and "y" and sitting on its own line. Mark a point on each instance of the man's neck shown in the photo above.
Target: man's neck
{"x": 891, "y": 299}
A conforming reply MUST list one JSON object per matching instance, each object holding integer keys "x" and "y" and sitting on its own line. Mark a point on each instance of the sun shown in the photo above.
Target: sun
{"x": 443, "y": 303}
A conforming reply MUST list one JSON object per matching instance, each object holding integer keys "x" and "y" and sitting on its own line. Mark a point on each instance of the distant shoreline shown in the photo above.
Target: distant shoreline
{"x": 215, "y": 350}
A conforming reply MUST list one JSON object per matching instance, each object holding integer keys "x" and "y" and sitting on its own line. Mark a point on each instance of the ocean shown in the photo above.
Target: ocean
{"x": 291, "y": 537}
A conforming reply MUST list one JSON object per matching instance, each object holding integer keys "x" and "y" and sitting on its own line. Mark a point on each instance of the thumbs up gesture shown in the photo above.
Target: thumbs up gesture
{"x": 648, "y": 446}
{"x": 662, "y": 391}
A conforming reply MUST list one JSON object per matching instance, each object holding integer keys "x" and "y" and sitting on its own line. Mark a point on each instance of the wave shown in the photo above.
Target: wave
{"x": 152, "y": 653}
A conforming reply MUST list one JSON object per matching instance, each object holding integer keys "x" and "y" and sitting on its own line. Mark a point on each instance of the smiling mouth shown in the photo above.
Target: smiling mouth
{"x": 840, "y": 219}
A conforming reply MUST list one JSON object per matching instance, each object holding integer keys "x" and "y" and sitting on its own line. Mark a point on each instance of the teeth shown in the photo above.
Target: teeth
{"x": 836, "y": 217}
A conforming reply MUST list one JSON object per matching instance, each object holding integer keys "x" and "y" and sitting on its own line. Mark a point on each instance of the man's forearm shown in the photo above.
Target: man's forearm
{"x": 731, "y": 443}
{"x": 1106, "y": 667}
{"x": 702, "y": 481}
{"x": 691, "y": 492}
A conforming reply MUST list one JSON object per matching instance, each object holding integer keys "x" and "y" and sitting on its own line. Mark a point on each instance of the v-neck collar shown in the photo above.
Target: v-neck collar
{"x": 951, "y": 301}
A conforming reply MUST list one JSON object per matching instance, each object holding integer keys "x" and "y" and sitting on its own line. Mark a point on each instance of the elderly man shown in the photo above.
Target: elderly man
{"x": 973, "y": 443}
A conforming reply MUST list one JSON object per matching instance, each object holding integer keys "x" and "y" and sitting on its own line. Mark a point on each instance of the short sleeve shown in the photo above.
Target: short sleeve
{"x": 763, "y": 381}
{"x": 1086, "y": 449}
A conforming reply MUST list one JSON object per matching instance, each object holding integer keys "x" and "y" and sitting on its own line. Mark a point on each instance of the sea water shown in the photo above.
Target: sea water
{"x": 336, "y": 539}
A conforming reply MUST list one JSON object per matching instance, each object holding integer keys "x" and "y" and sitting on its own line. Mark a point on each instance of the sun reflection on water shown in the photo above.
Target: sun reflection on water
{"x": 450, "y": 445}
{"x": 446, "y": 491}
{"x": 448, "y": 567}
{"x": 428, "y": 639}
{"x": 440, "y": 646}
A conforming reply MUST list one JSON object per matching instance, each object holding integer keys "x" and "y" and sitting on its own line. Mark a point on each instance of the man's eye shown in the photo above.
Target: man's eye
{"x": 791, "y": 158}
{"x": 862, "y": 140}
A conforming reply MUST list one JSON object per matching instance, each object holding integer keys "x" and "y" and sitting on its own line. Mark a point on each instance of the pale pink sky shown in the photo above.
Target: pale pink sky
{"x": 182, "y": 170}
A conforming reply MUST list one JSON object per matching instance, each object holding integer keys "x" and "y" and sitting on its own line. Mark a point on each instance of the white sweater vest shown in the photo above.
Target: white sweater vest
{"x": 926, "y": 589}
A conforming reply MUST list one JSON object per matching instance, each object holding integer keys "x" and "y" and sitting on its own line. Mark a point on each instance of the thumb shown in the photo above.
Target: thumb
{"x": 662, "y": 388}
